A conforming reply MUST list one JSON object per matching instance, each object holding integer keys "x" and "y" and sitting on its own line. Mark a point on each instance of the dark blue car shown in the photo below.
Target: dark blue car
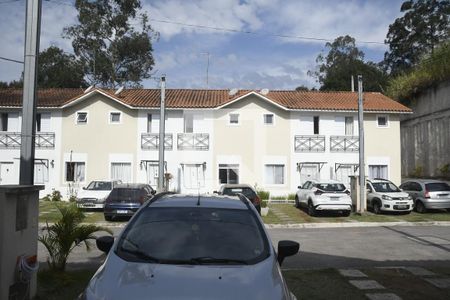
{"x": 125, "y": 199}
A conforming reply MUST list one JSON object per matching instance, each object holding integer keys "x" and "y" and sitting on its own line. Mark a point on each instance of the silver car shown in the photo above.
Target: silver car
{"x": 428, "y": 194}
{"x": 192, "y": 247}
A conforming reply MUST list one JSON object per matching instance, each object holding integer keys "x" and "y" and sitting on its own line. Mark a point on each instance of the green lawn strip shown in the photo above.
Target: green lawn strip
{"x": 62, "y": 285}
{"x": 271, "y": 218}
{"x": 321, "y": 284}
{"x": 49, "y": 213}
{"x": 406, "y": 285}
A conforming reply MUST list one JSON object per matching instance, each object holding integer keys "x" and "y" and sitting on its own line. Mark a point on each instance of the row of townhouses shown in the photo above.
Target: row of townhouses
{"x": 274, "y": 140}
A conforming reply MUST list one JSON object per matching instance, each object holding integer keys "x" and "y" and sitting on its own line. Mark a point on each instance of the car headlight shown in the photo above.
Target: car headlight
{"x": 385, "y": 197}
{"x": 409, "y": 198}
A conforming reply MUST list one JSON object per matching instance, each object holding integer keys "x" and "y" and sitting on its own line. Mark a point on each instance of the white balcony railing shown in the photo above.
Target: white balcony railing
{"x": 345, "y": 143}
{"x": 12, "y": 140}
{"x": 309, "y": 143}
{"x": 193, "y": 141}
{"x": 150, "y": 141}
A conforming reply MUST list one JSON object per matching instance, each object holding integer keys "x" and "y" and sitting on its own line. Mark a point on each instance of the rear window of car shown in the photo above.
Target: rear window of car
{"x": 185, "y": 234}
{"x": 247, "y": 192}
{"x": 331, "y": 187}
{"x": 437, "y": 187}
{"x": 126, "y": 194}
{"x": 99, "y": 186}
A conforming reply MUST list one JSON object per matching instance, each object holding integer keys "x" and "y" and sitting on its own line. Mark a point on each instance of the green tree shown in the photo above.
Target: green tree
{"x": 425, "y": 24}
{"x": 11, "y": 84}
{"x": 302, "y": 88}
{"x": 58, "y": 69}
{"x": 344, "y": 60}
{"x": 66, "y": 234}
{"x": 114, "y": 52}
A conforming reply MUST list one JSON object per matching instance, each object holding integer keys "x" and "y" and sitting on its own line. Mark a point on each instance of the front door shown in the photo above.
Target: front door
{"x": 7, "y": 174}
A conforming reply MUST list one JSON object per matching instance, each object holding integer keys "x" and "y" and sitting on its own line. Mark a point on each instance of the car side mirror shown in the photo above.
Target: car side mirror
{"x": 215, "y": 192}
{"x": 287, "y": 248}
{"x": 299, "y": 187}
{"x": 84, "y": 187}
{"x": 104, "y": 243}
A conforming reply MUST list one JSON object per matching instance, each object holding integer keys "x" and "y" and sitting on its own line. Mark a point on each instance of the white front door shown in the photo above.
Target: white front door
{"x": 7, "y": 174}
{"x": 152, "y": 174}
{"x": 309, "y": 172}
{"x": 343, "y": 173}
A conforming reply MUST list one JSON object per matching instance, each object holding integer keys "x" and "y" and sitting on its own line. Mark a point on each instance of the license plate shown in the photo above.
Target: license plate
{"x": 443, "y": 195}
{"x": 122, "y": 211}
{"x": 402, "y": 206}
{"x": 334, "y": 198}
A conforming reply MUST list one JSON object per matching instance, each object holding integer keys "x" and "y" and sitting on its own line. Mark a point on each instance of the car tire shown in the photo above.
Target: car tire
{"x": 448, "y": 209}
{"x": 376, "y": 208}
{"x": 346, "y": 213}
{"x": 108, "y": 218}
{"x": 420, "y": 208}
{"x": 311, "y": 209}
{"x": 297, "y": 204}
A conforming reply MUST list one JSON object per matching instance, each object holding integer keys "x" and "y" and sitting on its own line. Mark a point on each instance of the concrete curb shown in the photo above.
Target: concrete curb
{"x": 311, "y": 225}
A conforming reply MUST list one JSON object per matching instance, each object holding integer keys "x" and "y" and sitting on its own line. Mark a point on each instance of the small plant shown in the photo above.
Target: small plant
{"x": 263, "y": 204}
{"x": 445, "y": 170}
{"x": 291, "y": 197}
{"x": 263, "y": 195}
{"x": 56, "y": 196}
{"x": 72, "y": 198}
{"x": 417, "y": 172}
{"x": 66, "y": 234}
{"x": 47, "y": 198}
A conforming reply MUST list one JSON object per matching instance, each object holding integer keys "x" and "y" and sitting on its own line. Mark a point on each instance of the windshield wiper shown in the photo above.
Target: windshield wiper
{"x": 214, "y": 260}
{"x": 141, "y": 254}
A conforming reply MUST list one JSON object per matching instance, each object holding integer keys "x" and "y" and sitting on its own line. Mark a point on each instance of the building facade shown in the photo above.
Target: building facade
{"x": 273, "y": 140}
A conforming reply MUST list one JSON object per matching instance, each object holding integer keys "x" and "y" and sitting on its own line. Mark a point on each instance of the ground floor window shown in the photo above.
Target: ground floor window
{"x": 40, "y": 172}
{"x": 194, "y": 175}
{"x": 121, "y": 171}
{"x": 228, "y": 173}
{"x": 75, "y": 171}
{"x": 274, "y": 174}
{"x": 343, "y": 174}
{"x": 378, "y": 171}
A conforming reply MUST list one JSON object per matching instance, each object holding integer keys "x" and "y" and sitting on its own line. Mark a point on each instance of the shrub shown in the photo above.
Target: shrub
{"x": 56, "y": 196}
{"x": 47, "y": 197}
{"x": 263, "y": 195}
{"x": 445, "y": 170}
{"x": 72, "y": 198}
{"x": 417, "y": 172}
{"x": 291, "y": 197}
{"x": 263, "y": 204}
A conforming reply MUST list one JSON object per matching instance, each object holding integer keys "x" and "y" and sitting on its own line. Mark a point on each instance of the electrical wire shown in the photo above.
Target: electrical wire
{"x": 10, "y": 1}
{"x": 10, "y": 59}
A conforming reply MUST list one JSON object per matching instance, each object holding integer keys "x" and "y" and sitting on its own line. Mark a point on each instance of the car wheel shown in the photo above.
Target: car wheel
{"x": 297, "y": 204}
{"x": 448, "y": 209}
{"x": 420, "y": 208}
{"x": 108, "y": 218}
{"x": 376, "y": 208}
{"x": 311, "y": 209}
{"x": 346, "y": 213}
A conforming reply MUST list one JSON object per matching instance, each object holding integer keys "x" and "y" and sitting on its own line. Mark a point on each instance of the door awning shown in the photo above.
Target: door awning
{"x": 337, "y": 166}
{"x": 302, "y": 164}
{"x": 144, "y": 163}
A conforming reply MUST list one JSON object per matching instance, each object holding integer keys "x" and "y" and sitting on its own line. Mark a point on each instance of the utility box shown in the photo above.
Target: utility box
{"x": 19, "y": 212}
{"x": 354, "y": 190}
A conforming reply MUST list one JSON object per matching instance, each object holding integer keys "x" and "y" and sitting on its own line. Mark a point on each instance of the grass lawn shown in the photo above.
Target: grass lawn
{"x": 48, "y": 212}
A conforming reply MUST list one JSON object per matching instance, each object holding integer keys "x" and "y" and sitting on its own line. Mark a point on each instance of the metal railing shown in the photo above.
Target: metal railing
{"x": 13, "y": 140}
{"x": 193, "y": 141}
{"x": 309, "y": 143}
{"x": 344, "y": 143}
{"x": 150, "y": 141}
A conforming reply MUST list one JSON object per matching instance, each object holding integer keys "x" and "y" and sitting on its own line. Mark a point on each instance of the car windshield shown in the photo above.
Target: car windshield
{"x": 437, "y": 187}
{"x": 331, "y": 187}
{"x": 125, "y": 194}
{"x": 194, "y": 236}
{"x": 385, "y": 187}
{"x": 99, "y": 186}
{"x": 247, "y": 192}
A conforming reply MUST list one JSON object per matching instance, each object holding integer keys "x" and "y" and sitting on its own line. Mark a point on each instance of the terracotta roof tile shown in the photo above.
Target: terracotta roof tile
{"x": 192, "y": 98}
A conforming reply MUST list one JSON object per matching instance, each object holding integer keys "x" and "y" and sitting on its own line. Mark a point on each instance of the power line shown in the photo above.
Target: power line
{"x": 10, "y": 59}
{"x": 10, "y": 1}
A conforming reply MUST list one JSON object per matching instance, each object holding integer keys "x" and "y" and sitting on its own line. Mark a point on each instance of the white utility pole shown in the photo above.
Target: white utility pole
{"x": 362, "y": 175}
{"x": 32, "y": 35}
{"x": 162, "y": 121}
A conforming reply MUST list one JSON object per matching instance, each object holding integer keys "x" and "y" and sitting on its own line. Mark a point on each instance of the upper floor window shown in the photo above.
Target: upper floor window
{"x": 382, "y": 121}
{"x": 188, "y": 123}
{"x": 9, "y": 122}
{"x": 42, "y": 122}
{"x": 316, "y": 124}
{"x": 115, "y": 117}
{"x": 349, "y": 126}
{"x": 149, "y": 123}
{"x": 82, "y": 117}
{"x": 268, "y": 119}
{"x": 234, "y": 119}
{"x": 4, "y": 122}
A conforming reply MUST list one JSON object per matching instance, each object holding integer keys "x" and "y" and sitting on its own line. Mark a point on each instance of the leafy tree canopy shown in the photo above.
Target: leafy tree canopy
{"x": 113, "y": 41}
{"x": 425, "y": 24}
{"x": 344, "y": 60}
{"x": 58, "y": 69}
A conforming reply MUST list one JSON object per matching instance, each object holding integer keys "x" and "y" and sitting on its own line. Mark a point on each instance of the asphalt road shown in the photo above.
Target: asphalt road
{"x": 426, "y": 246}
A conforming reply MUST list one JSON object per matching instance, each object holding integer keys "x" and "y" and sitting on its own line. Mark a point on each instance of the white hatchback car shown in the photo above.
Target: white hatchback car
{"x": 94, "y": 195}
{"x": 324, "y": 195}
{"x": 383, "y": 195}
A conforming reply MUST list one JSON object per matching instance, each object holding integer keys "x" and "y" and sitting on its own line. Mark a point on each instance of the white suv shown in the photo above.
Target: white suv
{"x": 94, "y": 195}
{"x": 324, "y": 195}
{"x": 383, "y": 195}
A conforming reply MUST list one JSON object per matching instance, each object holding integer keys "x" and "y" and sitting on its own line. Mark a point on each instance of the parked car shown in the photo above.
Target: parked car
{"x": 324, "y": 195}
{"x": 245, "y": 189}
{"x": 428, "y": 194}
{"x": 192, "y": 247}
{"x": 125, "y": 200}
{"x": 383, "y": 195}
{"x": 94, "y": 195}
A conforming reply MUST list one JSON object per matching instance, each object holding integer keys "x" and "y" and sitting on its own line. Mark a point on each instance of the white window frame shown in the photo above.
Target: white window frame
{"x": 65, "y": 171}
{"x": 81, "y": 112}
{"x": 228, "y": 167}
{"x": 186, "y": 117}
{"x": 387, "y": 121}
{"x": 345, "y": 126}
{"x": 266, "y": 180}
{"x": 122, "y": 163}
{"x": 273, "y": 119}
{"x": 110, "y": 117}
{"x": 378, "y": 165}
{"x": 229, "y": 119}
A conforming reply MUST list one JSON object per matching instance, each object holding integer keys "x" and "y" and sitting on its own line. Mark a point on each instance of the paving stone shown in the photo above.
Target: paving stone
{"x": 351, "y": 273}
{"x": 366, "y": 284}
{"x": 442, "y": 283}
{"x": 383, "y": 296}
{"x": 418, "y": 271}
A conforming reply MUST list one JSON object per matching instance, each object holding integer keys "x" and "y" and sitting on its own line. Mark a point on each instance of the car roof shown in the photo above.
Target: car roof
{"x": 209, "y": 201}
{"x": 131, "y": 185}
{"x": 326, "y": 181}
{"x": 378, "y": 180}
{"x": 236, "y": 185}
{"x": 424, "y": 181}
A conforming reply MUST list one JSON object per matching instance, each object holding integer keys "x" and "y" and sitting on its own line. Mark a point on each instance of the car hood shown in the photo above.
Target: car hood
{"x": 396, "y": 194}
{"x": 118, "y": 279}
{"x": 92, "y": 194}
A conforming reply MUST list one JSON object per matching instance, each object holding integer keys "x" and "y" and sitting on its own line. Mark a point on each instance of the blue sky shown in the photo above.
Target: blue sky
{"x": 237, "y": 60}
